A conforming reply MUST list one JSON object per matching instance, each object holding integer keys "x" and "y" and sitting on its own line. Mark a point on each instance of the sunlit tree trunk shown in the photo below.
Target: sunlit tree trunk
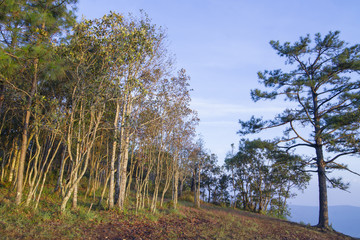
{"x": 113, "y": 156}
{"x": 124, "y": 156}
{"x": 24, "y": 142}
{"x": 176, "y": 187}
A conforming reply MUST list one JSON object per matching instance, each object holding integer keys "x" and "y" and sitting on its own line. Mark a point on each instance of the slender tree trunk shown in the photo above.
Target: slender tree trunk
{"x": 104, "y": 190}
{"x": 198, "y": 187}
{"x": 15, "y": 158}
{"x": 44, "y": 174}
{"x": 59, "y": 184}
{"x": 138, "y": 174}
{"x": 75, "y": 191}
{"x": 176, "y": 185}
{"x": 75, "y": 181}
{"x": 169, "y": 174}
{"x": 123, "y": 160}
{"x": 113, "y": 157}
{"x": 20, "y": 176}
{"x": 82, "y": 158}
{"x": 196, "y": 176}
{"x": 157, "y": 181}
{"x": 121, "y": 182}
{"x": 233, "y": 183}
{"x": 79, "y": 156}
{"x": 132, "y": 168}
{"x": 34, "y": 171}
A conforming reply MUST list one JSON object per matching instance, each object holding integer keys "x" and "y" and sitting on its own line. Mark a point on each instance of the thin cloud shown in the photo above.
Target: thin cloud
{"x": 218, "y": 123}
{"x": 208, "y": 108}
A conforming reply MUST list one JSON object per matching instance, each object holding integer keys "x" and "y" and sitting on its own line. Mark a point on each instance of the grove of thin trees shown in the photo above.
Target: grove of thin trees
{"x": 91, "y": 108}
{"x": 259, "y": 177}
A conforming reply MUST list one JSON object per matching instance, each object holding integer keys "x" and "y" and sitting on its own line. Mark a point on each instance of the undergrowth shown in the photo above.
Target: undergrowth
{"x": 93, "y": 221}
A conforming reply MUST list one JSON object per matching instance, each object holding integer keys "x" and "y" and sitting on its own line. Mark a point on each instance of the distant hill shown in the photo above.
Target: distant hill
{"x": 345, "y": 219}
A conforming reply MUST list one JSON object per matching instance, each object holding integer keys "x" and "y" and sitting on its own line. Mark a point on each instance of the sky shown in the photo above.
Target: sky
{"x": 222, "y": 44}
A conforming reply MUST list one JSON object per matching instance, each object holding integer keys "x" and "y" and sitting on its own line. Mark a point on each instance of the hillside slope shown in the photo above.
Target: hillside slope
{"x": 210, "y": 222}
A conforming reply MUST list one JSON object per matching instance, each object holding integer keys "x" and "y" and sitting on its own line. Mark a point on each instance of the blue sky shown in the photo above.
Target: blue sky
{"x": 224, "y": 43}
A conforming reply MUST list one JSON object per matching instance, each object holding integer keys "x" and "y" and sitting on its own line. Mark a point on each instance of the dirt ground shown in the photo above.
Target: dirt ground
{"x": 207, "y": 223}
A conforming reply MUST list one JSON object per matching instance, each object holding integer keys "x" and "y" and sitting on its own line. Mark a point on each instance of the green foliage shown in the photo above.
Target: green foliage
{"x": 265, "y": 175}
{"x": 220, "y": 194}
{"x": 326, "y": 94}
{"x": 210, "y": 172}
{"x": 279, "y": 209}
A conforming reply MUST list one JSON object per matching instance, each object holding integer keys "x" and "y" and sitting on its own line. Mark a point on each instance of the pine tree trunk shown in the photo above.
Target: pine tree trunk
{"x": 24, "y": 142}
{"x": 323, "y": 204}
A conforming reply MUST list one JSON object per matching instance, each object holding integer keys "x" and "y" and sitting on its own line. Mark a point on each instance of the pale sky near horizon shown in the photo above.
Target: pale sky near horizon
{"x": 224, "y": 43}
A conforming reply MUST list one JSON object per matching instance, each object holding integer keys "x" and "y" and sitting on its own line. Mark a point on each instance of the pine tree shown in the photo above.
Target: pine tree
{"x": 30, "y": 31}
{"x": 323, "y": 86}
